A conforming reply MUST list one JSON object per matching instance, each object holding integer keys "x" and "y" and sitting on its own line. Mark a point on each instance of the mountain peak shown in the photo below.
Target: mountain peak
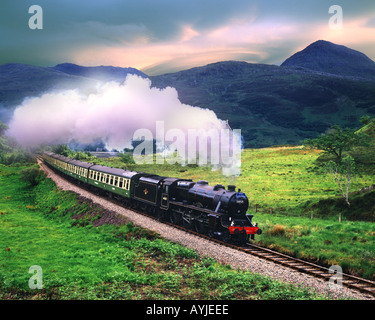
{"x": 325, "y": 56}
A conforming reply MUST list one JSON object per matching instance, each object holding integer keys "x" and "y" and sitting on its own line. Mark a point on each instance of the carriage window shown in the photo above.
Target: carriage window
{"x": 111, "y": 182}
{"x": 121, "y": 183}
{"x": 116, "y": 180}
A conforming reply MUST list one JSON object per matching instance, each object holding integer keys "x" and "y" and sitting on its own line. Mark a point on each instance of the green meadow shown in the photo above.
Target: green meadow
{"x": 278, "y": 180}
{"x": 82, "y": 258}
{"x": 297, "y": 205}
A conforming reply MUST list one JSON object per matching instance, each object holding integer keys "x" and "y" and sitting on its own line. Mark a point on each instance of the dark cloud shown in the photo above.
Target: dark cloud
{"x": 72, "y": 26}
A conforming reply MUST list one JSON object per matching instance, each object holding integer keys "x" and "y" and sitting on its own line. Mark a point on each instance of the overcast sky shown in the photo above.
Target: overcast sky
{"x": 159, "y": 36}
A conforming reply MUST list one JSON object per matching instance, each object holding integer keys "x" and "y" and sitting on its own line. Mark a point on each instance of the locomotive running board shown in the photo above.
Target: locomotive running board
{"x": 192, "y": 207}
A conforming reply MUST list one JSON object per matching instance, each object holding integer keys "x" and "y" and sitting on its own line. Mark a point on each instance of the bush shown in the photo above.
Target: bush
{"x": 16, "y": 157}
{"x": 79, "y": 155}
{"x": 32, "y": 175}
{"x": 127, "y": 158}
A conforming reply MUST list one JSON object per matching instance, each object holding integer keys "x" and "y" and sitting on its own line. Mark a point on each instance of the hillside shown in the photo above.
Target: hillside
{"x": 366, "y": 156}
{"x": 18, "y": 81}
{"x": 273, "y": 105}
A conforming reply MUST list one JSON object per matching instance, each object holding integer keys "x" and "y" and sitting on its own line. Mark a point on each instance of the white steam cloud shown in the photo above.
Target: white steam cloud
{"x": 113, "y": 113}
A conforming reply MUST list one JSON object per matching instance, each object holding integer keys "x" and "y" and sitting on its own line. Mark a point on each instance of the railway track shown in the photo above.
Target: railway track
{"x": 350, "y": 281}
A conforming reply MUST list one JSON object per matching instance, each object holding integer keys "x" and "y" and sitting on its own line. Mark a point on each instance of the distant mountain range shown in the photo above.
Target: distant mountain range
{"x": 323, "y": 84}
{"x": 105, "y": 73}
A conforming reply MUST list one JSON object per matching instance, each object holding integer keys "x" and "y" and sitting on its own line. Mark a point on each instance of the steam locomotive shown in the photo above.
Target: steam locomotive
{"x": 211, "y": 210}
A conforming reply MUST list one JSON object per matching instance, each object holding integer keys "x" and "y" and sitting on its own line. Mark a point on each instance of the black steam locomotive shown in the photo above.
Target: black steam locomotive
{"x": 212, "y": 210}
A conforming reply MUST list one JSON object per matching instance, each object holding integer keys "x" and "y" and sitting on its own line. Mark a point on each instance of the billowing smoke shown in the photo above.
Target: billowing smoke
{"x": 116, "y": 113}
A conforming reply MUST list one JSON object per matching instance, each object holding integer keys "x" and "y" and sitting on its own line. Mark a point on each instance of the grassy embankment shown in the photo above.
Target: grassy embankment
{"x": 55, "y": 229}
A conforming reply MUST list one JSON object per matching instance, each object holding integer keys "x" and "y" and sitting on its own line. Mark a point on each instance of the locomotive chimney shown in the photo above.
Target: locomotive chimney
{"x": 231, "y": 188}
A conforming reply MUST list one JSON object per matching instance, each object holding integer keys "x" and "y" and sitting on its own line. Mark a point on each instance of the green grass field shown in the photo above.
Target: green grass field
{"x": 296, "y": 205}
{"x": 55, "y": 230}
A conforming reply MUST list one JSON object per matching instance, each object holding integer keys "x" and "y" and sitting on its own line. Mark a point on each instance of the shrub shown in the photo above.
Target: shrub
{"x": 32, "y": 175}
{"x": 127, "y": 158}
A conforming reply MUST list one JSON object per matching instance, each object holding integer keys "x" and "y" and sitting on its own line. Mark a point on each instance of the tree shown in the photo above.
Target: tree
{"x": 4, "y": 146}
{"x": 343, "y": 173}
{"x": 10, "y": 151}
{"x": 62, "y": 149}
{"x": 337, "y": 140}
{"x": 365, "y": 119}
{"x": 3, "y": 128}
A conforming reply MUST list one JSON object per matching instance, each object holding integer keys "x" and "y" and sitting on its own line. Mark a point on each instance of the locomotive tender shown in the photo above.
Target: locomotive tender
{"x": 212, "y": 210}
